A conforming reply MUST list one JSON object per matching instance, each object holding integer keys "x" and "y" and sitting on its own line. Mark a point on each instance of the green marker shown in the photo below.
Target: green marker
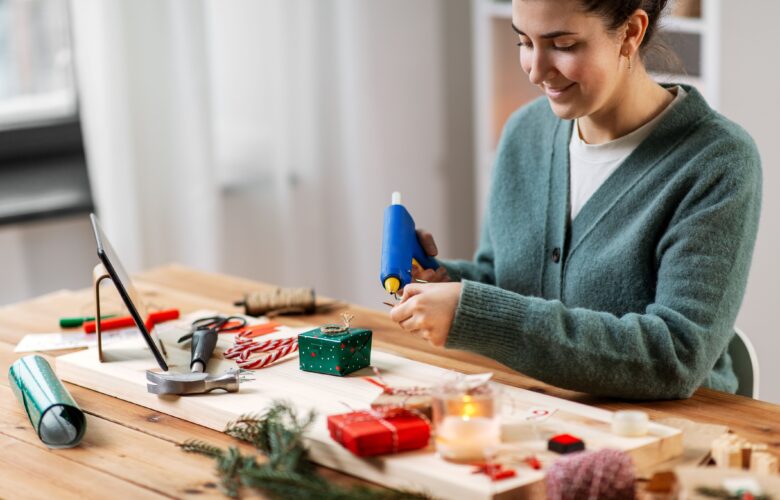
{"x": 78, "y": 321}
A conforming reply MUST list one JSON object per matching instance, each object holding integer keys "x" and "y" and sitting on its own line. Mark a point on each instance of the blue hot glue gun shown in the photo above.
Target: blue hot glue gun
{"x": 400, "y": 248}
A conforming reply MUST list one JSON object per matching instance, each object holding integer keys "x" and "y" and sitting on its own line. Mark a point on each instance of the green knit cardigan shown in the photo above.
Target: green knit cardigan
{"x": 638, "y": 295}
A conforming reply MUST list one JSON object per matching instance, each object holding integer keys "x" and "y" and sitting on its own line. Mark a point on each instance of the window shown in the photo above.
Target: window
{"x": 42, "y": 165}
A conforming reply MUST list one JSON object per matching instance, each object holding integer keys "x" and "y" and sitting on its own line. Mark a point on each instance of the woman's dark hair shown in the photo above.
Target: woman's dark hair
{"x": 616, "y": 12}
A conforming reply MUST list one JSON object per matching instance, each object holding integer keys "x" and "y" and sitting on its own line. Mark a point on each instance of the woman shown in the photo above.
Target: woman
{"x": 621, "y": 220}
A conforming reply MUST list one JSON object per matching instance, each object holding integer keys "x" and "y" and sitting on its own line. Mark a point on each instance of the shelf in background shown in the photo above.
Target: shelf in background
{"x": 503, "y": 10}
{"x": 683, "y": 24}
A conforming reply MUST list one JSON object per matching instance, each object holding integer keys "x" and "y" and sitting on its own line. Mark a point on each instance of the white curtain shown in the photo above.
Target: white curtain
{"x": 142, "y": 73}
{"x": 264, "y": 137}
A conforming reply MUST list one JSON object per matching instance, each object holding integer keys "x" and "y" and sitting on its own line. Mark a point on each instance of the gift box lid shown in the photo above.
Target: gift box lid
{"x": 317, "y": 334}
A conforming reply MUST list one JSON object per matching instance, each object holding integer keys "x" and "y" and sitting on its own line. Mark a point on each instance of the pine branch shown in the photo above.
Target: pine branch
{"x": 202, "y": 448}
{"x": 278, "y": 433}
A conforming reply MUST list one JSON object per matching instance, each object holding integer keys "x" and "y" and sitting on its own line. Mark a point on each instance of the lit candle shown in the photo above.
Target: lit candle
{"x": 464, "y": 438}
{"x": 466, "y": 426}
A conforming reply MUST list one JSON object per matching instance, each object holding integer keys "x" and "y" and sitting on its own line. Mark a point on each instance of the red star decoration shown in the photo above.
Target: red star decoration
{"x": 313, "y": 354}
{"x": 351, "y": 349}
{"x": 343, "y": 346}
{"x": 338, "y": 368}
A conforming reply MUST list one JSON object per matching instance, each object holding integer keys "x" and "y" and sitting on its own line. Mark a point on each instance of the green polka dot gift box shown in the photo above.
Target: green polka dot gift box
{"x": 334, "y": 349}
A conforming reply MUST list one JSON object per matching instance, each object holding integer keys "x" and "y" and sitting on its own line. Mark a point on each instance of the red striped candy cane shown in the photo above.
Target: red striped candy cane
{"x": 262, "y": 362}
{"x": 250, "y": 354}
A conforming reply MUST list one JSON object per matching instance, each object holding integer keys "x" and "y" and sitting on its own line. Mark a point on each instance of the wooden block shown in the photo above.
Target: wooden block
{"x": 763, "y": 462}
{"x": 727, "y": 451}
{"x": 747, "y": 451}
{"x": 662, "y": 482}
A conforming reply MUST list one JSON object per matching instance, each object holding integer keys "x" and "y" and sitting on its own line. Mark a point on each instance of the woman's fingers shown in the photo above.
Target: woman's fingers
{"x": 426, "y": 240}
{"x": 404, "y": 309}
{"x": 424, "y": 274}
{"x": 410, "y": 291}
{"x": 409, "y": 324}
{"x": 440, "y": 275}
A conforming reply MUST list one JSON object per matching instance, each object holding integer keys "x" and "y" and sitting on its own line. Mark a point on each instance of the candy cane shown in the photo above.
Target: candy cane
{"x": 253, "y": 364}
{"x": 245, "y": 351}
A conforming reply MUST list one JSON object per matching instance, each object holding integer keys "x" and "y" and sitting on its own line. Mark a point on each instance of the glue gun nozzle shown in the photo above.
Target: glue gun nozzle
{"x": 392, "y": 285}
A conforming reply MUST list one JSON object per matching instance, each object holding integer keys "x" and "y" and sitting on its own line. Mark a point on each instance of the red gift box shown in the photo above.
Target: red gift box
{"x": 369, "y": 433}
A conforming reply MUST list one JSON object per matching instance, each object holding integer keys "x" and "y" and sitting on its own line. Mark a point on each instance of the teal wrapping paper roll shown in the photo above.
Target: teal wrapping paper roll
{"x": 53, "y": 413}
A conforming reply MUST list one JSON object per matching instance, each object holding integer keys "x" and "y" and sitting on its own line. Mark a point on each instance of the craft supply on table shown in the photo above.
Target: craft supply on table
{"x": 251, "y": 355}
{"x": 335, "y": 349}
{"x": 466, "y": 416}
{"x": 378, "y": 432}
{"x": 731, "y": 450}
{"x": 565, "y": 443}
{"x": 713, "y": 482}
{"x": 203, "y": 335}
{"x": 662, "y": 486}
{"x": 279, "y": 301}
{"x": 400, "y": 248}
{"x": 182, "y": 384}
{"x": 416, "y": 398}
{"x": 593, "y": 474}
{"x": 127, "y": 321}
{"x": 521, "y": 423}
{"x": 75, "y": 322}
{"x": 57, "y": 341}
{"x": 308, "y": 391}
{"x": 630, "y": 423}
{"x": 55, "y": 416}
{"x": 496, "y": 472}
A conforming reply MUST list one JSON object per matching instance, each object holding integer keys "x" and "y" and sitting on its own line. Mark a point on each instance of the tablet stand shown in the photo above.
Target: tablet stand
{"x": 99, "y": 273}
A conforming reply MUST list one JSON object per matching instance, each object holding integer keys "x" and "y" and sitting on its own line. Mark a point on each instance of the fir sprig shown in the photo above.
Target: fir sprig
{"x": 287, "y": 472}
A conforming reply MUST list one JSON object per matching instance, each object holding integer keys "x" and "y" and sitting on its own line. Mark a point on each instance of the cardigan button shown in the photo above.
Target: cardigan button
{"x": 556, "y": 255}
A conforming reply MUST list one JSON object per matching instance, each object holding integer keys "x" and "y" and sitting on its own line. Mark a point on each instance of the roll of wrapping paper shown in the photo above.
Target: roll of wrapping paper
{"x": 53, "y": 413}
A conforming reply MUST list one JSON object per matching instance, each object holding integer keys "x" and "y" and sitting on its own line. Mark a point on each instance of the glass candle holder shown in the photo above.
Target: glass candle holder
{"x": 466, "y": 421}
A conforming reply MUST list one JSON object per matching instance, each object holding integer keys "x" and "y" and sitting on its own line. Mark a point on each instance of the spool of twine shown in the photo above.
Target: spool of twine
{"x": 603, "y": 474}
{"x": 279, "y": 301}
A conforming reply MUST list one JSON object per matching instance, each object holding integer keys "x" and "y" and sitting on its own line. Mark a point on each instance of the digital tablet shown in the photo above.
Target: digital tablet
{"x": 127, "y": 291}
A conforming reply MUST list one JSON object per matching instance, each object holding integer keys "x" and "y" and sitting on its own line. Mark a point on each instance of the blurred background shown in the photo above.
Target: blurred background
{"x": 263, "y": 138}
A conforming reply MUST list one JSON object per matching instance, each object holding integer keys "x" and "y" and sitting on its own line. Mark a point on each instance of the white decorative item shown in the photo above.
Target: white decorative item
{"x": 466, "y": 417}
{"x": 630, "y": 423}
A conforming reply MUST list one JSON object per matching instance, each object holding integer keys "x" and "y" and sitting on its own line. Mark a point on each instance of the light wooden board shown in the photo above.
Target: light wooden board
{"x": 124, "y": 378}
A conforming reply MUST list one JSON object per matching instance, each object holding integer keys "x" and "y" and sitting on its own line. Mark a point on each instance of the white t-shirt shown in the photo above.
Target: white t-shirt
{"x": 591, "y": 164}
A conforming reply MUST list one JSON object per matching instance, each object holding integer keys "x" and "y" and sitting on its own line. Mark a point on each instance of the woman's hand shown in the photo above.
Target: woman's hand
{"x": 428, "y": 309}
{"x": 429, "y": 275}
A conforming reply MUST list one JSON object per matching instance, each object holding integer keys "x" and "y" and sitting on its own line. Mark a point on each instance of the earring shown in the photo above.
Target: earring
{"x": 629, "y": 60}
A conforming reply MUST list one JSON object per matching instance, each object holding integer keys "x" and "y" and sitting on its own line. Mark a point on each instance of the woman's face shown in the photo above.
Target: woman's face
{"x": 570, "y": 55}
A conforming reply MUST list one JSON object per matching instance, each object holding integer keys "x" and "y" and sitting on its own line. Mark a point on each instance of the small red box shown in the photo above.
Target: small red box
{"x": 367, "y": 433}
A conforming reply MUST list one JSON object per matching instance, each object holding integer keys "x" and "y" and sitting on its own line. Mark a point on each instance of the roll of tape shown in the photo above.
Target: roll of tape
{"x": 631, "y": 423}
{"x": 53, "y": 413}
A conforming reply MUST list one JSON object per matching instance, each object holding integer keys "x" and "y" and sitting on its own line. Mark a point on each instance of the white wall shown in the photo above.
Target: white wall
{"x": 40, "y": 257}
{"x": 374, "y": 96}
{"x": 390, "y": 109}
{"x": 749, "y": 80}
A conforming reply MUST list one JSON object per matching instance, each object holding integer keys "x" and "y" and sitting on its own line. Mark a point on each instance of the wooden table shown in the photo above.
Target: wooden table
{"x": 129, "y": 450}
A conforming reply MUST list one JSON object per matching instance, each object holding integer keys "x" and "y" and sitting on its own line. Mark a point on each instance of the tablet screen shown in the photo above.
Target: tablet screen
{"x": 126, "y": 290}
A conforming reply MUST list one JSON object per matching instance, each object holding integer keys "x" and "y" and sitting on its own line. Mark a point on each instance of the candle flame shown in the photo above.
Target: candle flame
{"x": 469, "y": 409}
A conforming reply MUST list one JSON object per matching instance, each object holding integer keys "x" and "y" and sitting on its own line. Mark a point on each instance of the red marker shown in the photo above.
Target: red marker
{"x": 128, "y": 322}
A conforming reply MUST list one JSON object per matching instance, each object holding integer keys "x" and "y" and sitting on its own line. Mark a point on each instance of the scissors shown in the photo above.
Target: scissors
{"x": 204, "y": 333}
{"x": 217, "y": 324}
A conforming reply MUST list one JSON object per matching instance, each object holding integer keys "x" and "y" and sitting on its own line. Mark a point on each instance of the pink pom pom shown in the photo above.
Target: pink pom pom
{"x": 604, "y": 474}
